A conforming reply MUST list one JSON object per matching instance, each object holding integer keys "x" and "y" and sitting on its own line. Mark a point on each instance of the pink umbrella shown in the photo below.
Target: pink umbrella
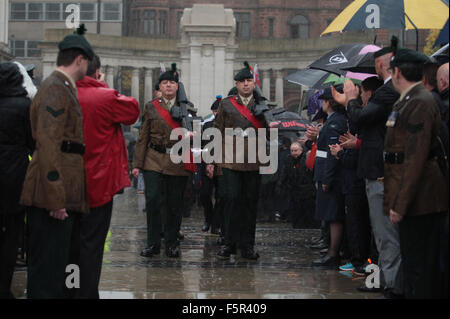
{"x": 363, "y": 76}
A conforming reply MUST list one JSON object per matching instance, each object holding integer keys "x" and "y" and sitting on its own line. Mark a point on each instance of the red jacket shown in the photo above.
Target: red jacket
{"x": 106, "y": 157}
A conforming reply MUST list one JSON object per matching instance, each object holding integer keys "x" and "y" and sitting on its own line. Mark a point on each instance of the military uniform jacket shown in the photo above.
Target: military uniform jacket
{"x": 56, "y": 179}
{"x": 416, "y": 186}
{"x": 229, "y": 117}
{"x": 156, "y": 131}
{"x": 326, "y": 166}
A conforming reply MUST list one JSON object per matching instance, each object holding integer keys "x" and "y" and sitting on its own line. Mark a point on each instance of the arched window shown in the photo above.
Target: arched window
{"x": 299, "y": 27}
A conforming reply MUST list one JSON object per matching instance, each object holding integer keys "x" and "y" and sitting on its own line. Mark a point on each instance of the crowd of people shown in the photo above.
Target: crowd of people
{"x": 371, "y": 171}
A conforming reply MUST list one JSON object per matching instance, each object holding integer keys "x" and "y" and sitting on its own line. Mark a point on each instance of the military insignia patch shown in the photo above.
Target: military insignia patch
{"x": 53, "y": 176}
{"x": 54, "y": 112}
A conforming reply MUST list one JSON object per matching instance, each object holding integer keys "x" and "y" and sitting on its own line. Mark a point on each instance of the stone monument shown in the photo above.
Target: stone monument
{"x": 207, "y": 50}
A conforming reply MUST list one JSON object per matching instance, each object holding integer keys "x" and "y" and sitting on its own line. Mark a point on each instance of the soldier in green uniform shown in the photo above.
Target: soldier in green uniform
{"x": 241, "y": 180}
{"x": 55, "y": 183}
{"x": 415, "y": 194}
{"x": 164, "y": 180}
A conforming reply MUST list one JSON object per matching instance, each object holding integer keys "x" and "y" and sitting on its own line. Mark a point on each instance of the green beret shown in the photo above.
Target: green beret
{"x": 244, "y": 74}
{"x": 405, "y": 55}
{"x": 171, "y": 75}
{"x": 77, "y": 41}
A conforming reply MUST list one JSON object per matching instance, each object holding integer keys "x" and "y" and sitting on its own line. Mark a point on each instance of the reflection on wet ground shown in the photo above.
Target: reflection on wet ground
{"x": 283, "y": 270}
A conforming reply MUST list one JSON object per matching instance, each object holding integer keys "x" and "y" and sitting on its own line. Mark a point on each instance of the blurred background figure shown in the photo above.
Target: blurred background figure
{"x": 16, "y": 144}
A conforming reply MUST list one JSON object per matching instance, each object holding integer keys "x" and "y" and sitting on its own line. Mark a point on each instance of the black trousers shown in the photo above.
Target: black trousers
{"x": 164, "y": 198}
{"x": 206, "y": 192}
{"x": 213, "y": 212}
{"x": 240, "y": 207}
{"x": 420, "y": 245}
{"x": 53, "y": 245}
{"x": 357, "y": 227}
{"x": 10, "y": 230}
{"x": 93, "y": 231}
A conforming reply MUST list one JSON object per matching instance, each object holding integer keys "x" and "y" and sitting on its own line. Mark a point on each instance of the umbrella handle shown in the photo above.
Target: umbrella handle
{"x": 417, "y": 32}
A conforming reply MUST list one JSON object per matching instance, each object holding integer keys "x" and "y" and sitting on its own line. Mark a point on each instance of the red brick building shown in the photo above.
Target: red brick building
{"x": 279, "y": 19}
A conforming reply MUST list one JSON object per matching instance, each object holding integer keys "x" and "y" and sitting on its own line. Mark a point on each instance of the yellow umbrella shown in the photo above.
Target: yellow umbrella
{"x": 391, "y": 14}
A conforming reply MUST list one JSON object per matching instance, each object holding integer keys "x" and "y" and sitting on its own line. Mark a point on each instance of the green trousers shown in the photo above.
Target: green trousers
{"x": 53, "y": 244}
{"x": 241, "y": 192}
{"x": 164, "y": 204}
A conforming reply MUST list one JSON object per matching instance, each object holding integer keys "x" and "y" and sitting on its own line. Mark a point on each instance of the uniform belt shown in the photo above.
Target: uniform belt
{"x": 393, "y": 158}
{"x": 73, "y": 148}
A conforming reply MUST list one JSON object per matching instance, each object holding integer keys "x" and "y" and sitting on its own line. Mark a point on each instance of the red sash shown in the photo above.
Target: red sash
{"x": 246, "y": 113}
{"x": 189, "y": 164}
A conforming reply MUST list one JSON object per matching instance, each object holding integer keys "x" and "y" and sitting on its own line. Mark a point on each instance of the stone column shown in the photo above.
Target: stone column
{"x": 135, "y": 83}
{"x": 195, "y": 73}
{"x": 4, "y": 12}
{"x": 279, "y": 90}
{"x": 219, "y": 70}
{"x": 148, "y": 86}
{"x": 109, "y": 76}
{"x": 266, "y": 83}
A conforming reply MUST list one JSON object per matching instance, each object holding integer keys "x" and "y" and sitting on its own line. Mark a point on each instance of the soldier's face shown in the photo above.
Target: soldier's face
{"x": 81, "y": 64}
{"x": 168, "y": 89}
{"x": 245, "y": 87}
{"x": 396, "y": 79}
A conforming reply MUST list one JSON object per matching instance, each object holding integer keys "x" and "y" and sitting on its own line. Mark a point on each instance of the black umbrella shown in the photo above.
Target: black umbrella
{"x": 338, "y": 58}
{"x": 292, "y": 126}
{"x": 311, "y": 78}
{"x": 362, "y": 64}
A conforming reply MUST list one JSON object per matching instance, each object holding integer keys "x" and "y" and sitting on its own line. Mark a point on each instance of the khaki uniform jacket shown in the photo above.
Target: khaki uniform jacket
{"x": 55, "y": 179}
{"x": 155, "y": 130}
{"x": 415, "y": 187}
{"x": 229, "y": 117}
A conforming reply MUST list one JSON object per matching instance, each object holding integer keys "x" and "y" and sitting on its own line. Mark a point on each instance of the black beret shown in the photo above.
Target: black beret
{"x": 245, "y": 73}
{"x": 77, "y": 41}
{"x": 157, "y": 86}
{"x": 405, "y": 55}
{"x": 170, "y": 75}
{"x": 327, "y": 94}
{"x": 386, "y": 50}
{"x": 215, "y": 105}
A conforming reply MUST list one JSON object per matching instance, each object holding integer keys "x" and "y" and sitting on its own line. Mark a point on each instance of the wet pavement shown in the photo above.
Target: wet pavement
{"x": 282, "y": 272}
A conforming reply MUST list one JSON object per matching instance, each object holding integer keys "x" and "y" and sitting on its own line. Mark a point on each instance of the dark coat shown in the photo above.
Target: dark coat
{"x": 416, "y": 186}
{"x": 297, "y": 179}
{"x": 56, "y": 179}
{"x": 16, "y": 142}
{"x": 371, "y": 120}
{"x": 348, "y": 159}
{"x": 444, "y": 109}
{"x": 327, "y": 170}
